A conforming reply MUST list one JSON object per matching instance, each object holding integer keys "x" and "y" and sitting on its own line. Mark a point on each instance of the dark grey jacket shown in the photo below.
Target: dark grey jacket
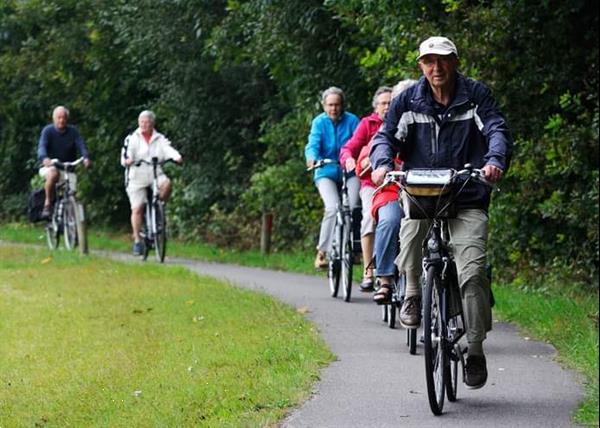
{"x": 471, "y": 130}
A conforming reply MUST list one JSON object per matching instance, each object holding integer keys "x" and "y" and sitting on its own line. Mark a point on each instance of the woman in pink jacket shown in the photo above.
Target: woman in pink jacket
{"x": 367, "y": 127}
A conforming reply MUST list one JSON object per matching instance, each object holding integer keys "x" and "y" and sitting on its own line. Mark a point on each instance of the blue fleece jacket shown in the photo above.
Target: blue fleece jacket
{"x": 325, "y": 141}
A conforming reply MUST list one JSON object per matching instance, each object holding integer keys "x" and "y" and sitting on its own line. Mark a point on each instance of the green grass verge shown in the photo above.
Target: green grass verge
{"x": 91, "y": 342}
{"x": 569, "y": 322}
{"x": 566, "y": 320}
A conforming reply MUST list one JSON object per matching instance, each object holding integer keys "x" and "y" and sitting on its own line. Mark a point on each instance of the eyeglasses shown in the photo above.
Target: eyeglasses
{"x": 431, "y": 60}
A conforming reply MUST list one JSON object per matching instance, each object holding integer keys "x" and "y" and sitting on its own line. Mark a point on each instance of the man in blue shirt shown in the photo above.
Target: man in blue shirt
{"x": 61, "y": 141}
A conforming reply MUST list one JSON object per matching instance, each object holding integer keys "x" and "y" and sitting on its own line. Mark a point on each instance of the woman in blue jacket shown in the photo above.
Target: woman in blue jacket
{"x": 329, "y": 132}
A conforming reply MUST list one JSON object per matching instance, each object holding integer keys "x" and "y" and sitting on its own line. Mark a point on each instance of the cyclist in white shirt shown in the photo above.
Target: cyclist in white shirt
{"x": 144, "y": 144}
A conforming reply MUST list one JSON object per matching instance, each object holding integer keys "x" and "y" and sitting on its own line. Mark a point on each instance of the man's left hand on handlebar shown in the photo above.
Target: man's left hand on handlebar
{"x": 492, "y": 173}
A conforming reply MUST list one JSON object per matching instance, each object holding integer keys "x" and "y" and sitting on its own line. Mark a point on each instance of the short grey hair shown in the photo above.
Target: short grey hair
{"x": 149, "y": 114}
{"x": 379, "y": 91}
{"x": 333, "y": 90}
{"x": 402, "y": 86}
{"x": 59, "y": 108}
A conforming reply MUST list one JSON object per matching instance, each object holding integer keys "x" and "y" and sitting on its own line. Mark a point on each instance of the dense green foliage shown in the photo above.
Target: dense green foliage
{"x": 236, "y": 83}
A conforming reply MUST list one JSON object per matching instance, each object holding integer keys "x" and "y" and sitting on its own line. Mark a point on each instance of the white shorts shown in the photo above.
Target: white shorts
{"x": 137, "y": 191}
{"x": 61, "y": 176}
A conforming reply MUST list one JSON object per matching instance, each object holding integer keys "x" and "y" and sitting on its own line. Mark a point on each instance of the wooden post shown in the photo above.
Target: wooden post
{"x": 265, "y": 233}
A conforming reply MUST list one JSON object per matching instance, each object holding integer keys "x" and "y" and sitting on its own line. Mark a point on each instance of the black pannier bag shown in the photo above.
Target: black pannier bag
{"x": 35, "y": 205}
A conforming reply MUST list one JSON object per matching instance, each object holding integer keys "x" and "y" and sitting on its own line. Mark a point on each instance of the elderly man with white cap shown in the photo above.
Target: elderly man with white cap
{"x": 446, "y": 121}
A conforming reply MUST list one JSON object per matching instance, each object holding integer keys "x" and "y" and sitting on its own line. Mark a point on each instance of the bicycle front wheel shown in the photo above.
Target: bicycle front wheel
{"x": 434, "y": 342}
{"x": 70, "y": 223}
{"x": 334, "y": 263}
{"x": 160, "y": 231}
{"x": 347, "y": 258}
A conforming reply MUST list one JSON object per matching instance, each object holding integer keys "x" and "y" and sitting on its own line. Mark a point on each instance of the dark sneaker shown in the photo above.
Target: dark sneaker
{"x": 475, "y": 372}
{"x": 46, "y": 213}
{"x": 410, "y": 314}
{"x": 138, "y": 248}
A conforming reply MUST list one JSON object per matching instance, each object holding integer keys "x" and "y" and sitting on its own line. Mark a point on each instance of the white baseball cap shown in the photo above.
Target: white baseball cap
{"x": 437, "y": 45}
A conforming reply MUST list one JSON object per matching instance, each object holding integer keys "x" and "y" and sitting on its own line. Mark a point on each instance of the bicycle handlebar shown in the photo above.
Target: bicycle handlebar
{"x": 399, "y": 177}
{"x": 321, "y": 163}
{"x": 66, "y": 166}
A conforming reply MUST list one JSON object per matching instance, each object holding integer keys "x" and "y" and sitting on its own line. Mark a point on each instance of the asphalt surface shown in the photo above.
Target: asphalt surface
{"x": 375, "y": 382}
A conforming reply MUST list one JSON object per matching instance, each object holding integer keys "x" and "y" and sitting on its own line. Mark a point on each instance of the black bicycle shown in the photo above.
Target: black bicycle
{"x": 154, "y": 226}
{"x": 345, "y": 244}
{"x": 68, "y": 215}
{"x": 430, "y": 194}
{"x": 398, "y": 289}
{"x": 389, "y": 311}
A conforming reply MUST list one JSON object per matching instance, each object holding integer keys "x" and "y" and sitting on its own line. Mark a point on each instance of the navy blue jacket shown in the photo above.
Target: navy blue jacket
{"x": 471, "y": 130}
{"x": 61, "y": 145}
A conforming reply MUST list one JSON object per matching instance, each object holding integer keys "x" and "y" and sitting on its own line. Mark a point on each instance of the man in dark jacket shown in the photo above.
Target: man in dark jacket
{"x": 446, "y": 121}
{"x": 61, "y": 141}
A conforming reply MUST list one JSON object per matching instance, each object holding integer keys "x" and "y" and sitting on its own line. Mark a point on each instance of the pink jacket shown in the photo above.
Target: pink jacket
{"x": 366, "y": 129}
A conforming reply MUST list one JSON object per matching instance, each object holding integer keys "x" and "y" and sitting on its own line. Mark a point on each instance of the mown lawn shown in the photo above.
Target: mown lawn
{"x": 91, "y": 342}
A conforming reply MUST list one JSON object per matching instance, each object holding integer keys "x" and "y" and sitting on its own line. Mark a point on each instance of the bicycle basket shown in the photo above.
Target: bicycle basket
{"x": 426, "y": 192}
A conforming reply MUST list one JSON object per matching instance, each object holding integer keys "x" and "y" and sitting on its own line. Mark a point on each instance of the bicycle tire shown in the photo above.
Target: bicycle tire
{"x": 160, "y": 232}
{"x": 384, "y": 313}
{"x": 347, "y": 258}
{"x": 434, "y": 338}
{"x": 146, "y": 228}
{"x": 70, "y": 223}
{"x": 391, "y": 318}
{"x": 52, "y": 235}
{"x": 452, "y": 363}
{"x": 411, "y": 340}
{"x": 334, "y": 262}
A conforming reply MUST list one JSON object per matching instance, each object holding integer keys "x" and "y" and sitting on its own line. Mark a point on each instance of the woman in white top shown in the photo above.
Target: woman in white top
{"x": 144, "y": 144}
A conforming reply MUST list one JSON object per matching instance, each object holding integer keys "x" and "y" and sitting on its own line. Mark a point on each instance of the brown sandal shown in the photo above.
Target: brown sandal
{"x": 383, "y": 295}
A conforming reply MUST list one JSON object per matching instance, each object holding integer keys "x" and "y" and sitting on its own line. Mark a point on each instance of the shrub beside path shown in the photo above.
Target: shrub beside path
{"x": 376, "y": 383}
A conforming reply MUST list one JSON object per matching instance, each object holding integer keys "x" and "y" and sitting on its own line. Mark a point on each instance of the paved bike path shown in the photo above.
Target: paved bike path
{"x": 375, "y": 382}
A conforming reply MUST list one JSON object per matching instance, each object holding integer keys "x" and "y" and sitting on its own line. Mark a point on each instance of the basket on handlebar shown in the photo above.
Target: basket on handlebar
{"x": 426, "y": 192}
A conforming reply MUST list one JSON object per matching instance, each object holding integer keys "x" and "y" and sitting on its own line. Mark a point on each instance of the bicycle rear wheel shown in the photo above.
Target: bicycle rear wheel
{"x": 160, "y": 231}
{"x": 434, "y": 342}
{"x": 52, "y": 234}
{"x": 70, "y": 223}
{"x": 347, "y": 258}
{"x": 454, "y": 359}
